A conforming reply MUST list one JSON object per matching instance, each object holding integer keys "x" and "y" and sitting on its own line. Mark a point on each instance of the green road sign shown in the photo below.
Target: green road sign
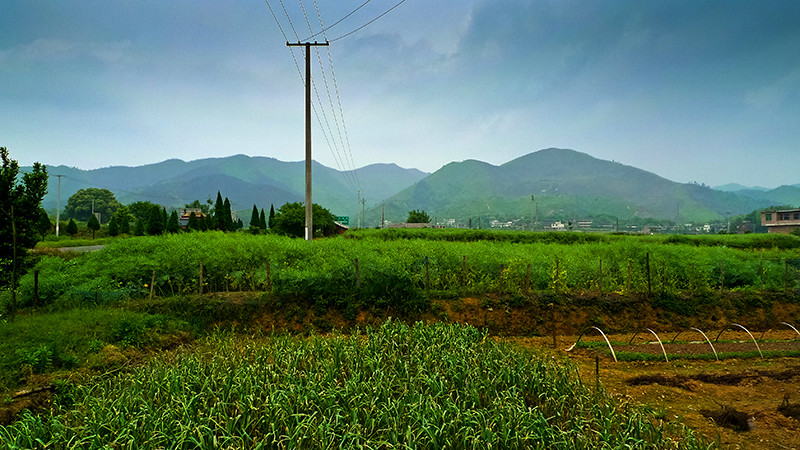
{"x": 344, "y": 220}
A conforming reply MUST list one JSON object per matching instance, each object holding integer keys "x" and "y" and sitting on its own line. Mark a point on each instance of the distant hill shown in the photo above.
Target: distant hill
{"x": 245, "y": 180}
{"x": 564, "y": 185}
{"x": 551, "y": 184}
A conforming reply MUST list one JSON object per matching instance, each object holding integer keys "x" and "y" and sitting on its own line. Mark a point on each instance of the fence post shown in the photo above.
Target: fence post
{"x": 152, "y": 282}
{"x": 427, "y": 278}
{"x": 201, "y": 278}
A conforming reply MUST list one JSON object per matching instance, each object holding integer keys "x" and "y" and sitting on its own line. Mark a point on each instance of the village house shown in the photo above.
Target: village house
{"x": 184, "y": 213}
{"x": 783, "y": 221}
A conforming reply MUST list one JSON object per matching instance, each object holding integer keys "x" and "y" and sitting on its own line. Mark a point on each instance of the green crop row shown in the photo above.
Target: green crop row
{"x": 373, "y": 271}
{"x": 400, "y": 386}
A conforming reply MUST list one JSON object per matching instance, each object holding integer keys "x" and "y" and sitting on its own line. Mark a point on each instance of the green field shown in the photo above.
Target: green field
{"x": 397, "y": 386}
{"x": 87, "y": 326}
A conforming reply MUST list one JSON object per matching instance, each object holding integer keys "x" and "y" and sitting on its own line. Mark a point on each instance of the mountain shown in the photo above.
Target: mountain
{"x": 564, "y": 185}
{"x": 245, "y": 180}
{"x": 550, "y": 184}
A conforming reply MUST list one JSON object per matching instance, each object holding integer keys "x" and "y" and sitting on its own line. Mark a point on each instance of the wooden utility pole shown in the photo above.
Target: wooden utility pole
{"x": 308, "y": 45}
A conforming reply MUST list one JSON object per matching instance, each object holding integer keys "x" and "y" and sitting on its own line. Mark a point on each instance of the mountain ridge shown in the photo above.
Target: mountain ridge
{"x": 548, "y": 184}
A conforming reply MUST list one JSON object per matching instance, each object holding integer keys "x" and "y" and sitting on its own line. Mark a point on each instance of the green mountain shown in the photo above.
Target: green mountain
{"x": 545, "y": 186}
{"x": 245, "y": 180}
{"x": 558, "y": 184}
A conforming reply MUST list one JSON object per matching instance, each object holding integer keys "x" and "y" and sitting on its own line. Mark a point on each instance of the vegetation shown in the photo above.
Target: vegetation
{"x": 290, "y": 220}
{"x": 20, "y": 214}
{"x": 386, "y": 269}
{"x": 441, "y": 386}
{"x": 83, "y": 203}
{"x": 415, "y": 216}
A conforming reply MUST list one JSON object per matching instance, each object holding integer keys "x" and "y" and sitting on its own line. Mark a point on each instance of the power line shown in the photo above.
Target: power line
{"x": 370, "y": 22}
{"x": 337, "y": 22}
{"x": 343, "y": 158}
{"x": 346, "y": 141}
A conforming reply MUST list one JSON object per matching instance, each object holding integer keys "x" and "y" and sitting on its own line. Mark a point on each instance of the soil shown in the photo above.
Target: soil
{"x": 748, "y": 403}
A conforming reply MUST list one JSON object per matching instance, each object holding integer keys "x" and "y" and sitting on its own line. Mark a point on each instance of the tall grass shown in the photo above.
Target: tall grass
{"x": 397, "y": 271}
{"x": 400, "y": 386}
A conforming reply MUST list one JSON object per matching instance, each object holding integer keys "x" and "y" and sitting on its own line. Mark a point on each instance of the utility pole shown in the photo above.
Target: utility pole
{"x": 308, "y": 45}
{"x": 58, "y": 205}
{"x": 363, "y": 201}
{"x": 357, "y": 205}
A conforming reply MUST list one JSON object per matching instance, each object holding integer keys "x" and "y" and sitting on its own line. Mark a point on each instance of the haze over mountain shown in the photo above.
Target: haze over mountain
{"x": 548, "y": 185}
{"x": 245, "y": 180}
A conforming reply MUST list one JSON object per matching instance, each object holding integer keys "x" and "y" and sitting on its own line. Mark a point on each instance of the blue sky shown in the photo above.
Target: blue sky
{"x": 705, "y": 91}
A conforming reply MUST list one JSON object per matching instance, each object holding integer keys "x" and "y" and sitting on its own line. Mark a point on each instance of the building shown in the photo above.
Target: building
{"x": 783, "y": 221}
{"x": 184, "y": 213}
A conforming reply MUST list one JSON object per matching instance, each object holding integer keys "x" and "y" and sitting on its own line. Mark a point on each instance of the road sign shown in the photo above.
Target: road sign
{"x": 344, "y": 220}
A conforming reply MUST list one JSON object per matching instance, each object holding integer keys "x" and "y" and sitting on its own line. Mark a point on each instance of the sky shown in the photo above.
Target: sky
{"x": 694, "y": 91}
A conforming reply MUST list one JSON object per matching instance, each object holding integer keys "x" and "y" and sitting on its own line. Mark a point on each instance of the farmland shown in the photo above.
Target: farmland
{"x": 208, "y": 314}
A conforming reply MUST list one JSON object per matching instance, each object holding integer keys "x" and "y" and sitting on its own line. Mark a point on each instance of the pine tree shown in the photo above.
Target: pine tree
{"x": 72, "y": 228}
{"x": 228, "y": 217}
{"x": 262, "y": 221}
{"x": 255, "y": 223}
{"x": 271, "y": 215}
{"x": 219, "y": 213}
{"x": 113, "y": 228}
{"x": 93, "y": 224}
{"x": 173, "y": 224}
{"x": 192, "y": 224}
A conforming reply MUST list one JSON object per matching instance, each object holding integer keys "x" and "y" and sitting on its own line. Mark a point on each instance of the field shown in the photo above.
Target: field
{"x": 209, "y": 314}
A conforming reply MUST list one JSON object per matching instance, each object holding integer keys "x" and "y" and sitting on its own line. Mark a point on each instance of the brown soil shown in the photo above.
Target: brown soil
{"x": 748, "y": 403}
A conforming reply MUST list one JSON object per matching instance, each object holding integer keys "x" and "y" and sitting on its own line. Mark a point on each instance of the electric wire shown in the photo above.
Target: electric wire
{"x": 346, "y": 141}
{"x": 332, "y": 143}
{"x": 337, "y": 22}
{"x": 368, "y": 23}
{"x": 319, "y": 110}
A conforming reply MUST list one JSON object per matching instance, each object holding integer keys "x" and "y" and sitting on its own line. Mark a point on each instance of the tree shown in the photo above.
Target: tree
{"x": 192, "y": 224}
{"x": 173, "y": 223}
{"x": 93, "y": 224}
{"x": 79, "y": 205}
{"x": 272, "y": 215}
{"x": 262, "y": 221}
{"x": 418, "y": 217}
{"x": 155, "y": 221}
{"x": 255, "y": 222}
{"x": 72, "y": 228}
{"x": 113, "y": 227}
{"x": 291, "y": 217}
{"x": 138, "y": 227}
{"x": 20, "y": 212}
{"x": 219, "y": 212}
{"x": 141, "y": 209}
{"x": 197, "y": 205}
{"x": 122, "y": 217}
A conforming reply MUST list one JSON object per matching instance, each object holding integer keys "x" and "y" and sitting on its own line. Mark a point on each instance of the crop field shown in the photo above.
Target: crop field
{"x": 243, "y": 341}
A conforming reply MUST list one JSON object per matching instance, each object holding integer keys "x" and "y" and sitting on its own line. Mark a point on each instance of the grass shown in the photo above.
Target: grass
{"x": 397, "y": 386}
{"x": 51, "y": 342}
